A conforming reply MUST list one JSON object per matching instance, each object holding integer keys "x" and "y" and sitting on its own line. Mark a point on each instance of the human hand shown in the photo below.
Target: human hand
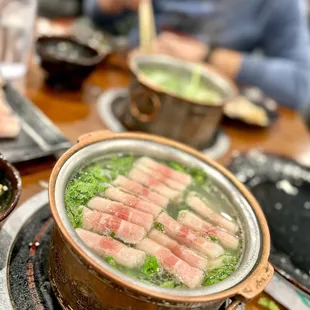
{"x": 182, "y": 47}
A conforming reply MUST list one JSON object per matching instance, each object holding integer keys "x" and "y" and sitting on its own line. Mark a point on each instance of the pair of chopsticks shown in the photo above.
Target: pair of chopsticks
{"x": 146, "y": 25}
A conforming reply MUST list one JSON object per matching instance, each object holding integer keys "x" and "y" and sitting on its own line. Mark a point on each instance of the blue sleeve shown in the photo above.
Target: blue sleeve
{"x": 283, "y": 73}
{"x": 93, "y": 11}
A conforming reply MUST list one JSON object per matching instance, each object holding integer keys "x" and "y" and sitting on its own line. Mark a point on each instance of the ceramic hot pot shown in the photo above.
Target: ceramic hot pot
{"x": 82, "y": 280}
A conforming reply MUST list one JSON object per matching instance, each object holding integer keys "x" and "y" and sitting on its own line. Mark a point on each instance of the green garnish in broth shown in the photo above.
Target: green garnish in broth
{"x": 219, "y": 274}
{"x": 91, "y": 181}
{"x": 214, "y": 239}
{"x": 188, "y": 87}
{"x": 110, "y": 260}
{"x": 150, "y": 267}
{"x": 168, "y": 284}
{"x": 159, "y": 226}
{"x": 199, "y": 175}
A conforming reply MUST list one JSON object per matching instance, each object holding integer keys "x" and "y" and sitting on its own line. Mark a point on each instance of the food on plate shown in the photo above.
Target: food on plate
{"x": 9, "y": 122}
{"x": 151, "y": 219}
{"x": 245, "y": 110}
{"x": 189, "y": 87}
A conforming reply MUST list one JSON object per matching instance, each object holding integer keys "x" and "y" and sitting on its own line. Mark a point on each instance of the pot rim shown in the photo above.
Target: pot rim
{"x": 205, "y": 68}
{"x": 246, "y": 289}
{"x": 82, "y": 61}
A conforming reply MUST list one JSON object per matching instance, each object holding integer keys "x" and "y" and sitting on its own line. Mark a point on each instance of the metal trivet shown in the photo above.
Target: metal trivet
{"x": 111, "y": 108}
{"x": 24, "y": 250}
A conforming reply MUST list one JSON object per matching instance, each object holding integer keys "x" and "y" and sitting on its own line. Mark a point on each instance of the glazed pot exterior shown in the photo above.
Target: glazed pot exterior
{"x": 81, "y": 280}
{"x": 77, "y": 286}
{"x": 155, "y": 111}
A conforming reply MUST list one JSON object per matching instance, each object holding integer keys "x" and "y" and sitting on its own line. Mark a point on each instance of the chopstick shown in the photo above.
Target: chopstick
{"x": 146, "y": 25}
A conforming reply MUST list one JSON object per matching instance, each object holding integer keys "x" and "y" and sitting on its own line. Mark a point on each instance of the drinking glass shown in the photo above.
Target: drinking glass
{"x": 17, "y": 19}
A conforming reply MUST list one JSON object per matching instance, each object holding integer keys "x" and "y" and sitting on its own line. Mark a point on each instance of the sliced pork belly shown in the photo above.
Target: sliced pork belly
{"x": 180, "y": 251}
{"x": 105, "y": 224}
{"x": 183, "y": 178}
{"x": 190, "y": 276}
{"x": 186, "y": 236}
{"x": 106, "y": 246}
{"x": 9, "y": 126}
{"x": 194, "y": 222}
{"x": 125, "y": 213}
{"x": 161, "y": 177}
{"x": 132, "y": 201}
{"x": 201, "y": 208}
{"x": 139, "y": 190}
{"x": 147, "y": 180}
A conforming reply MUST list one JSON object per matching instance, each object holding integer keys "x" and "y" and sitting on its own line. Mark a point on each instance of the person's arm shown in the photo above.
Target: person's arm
{"x": 284, "y": 72}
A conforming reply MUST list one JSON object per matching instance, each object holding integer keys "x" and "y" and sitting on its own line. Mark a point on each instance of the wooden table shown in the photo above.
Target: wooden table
{"x": 75, "y": 114}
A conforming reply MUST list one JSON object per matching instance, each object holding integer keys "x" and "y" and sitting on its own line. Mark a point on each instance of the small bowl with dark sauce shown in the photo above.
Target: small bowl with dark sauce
{"x": 66, "y": 61}
{"x": 10, "y": 188}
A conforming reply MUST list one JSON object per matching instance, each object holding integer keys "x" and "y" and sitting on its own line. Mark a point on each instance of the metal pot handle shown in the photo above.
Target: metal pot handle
{"x": 254, "y": 286}
{"x": 101, "y": 133}
{"x": 144, "y": 117}
{"x": 235, "y": 303}
{"x": 257, "y": 282}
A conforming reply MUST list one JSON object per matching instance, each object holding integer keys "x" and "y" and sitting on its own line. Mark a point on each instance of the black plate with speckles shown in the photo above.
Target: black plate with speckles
{"x": 282, "y": 187}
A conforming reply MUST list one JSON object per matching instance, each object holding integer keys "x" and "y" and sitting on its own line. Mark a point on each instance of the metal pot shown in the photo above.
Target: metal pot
{"x": 154, "y": 110}
{"x": 82, "y": 280}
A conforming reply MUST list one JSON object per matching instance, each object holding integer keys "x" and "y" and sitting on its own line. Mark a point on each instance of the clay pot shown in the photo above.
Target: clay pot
{"x": 156, "y": 111}
{"x": 82, "y": 280}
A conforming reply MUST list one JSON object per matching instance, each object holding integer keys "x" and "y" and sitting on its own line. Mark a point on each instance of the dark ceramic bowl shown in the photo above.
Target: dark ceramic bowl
{"x": 9, "y": 177}
{"x": 66, "y": 61}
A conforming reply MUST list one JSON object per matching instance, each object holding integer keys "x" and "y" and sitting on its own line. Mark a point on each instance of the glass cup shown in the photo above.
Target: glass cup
{"x": 17, "y": 19}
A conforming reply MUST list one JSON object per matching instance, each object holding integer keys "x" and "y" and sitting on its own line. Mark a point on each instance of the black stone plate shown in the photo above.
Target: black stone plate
{"x": 282, "y": 187}
{"x": 38, "y": 138}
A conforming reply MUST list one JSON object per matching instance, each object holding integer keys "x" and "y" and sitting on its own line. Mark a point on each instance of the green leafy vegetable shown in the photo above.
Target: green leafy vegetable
{"x": 168, "y": 284}
{"x": 268, "y": 303}
{"x": 80, "y": 190}
{"x": 110, "y": 260}
{"x": 177, "y": 166}
{"x": 182, "y": 206}
{"x": 150, "y": 266}
{"x": 214, "y": 239}
{"x": 112, "y": 234}
{"x": 92, "y": 180}
{"x": 118, "y": 165}
{"x": 159, "y": 226}
{"x": 198, "y": 175}
{"x": 219, "y": 274}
